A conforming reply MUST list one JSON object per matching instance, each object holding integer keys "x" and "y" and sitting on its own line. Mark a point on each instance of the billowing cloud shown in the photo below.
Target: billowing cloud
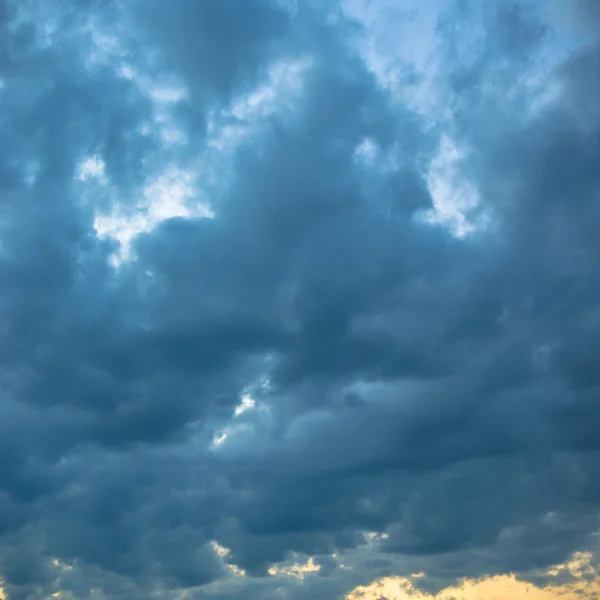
{"x": 288, "y": 309}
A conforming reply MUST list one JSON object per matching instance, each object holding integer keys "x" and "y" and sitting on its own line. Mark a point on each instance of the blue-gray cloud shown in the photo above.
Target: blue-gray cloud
{"x": 440, "y": 389}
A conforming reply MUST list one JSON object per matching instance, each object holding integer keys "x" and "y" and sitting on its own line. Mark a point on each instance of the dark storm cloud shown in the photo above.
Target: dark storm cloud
{"x": 441, "y": 390}
{"x": 216, "y": 46}
{"x": 587, "y": 13}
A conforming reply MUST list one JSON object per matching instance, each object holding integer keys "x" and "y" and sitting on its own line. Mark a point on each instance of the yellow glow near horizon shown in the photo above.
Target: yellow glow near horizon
{"x": 500, "y": 587}
{"x": 585, "y": 583}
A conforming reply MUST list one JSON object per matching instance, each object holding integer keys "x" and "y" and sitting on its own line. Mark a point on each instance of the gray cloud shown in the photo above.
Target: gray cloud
{"x": 440, "y": 390}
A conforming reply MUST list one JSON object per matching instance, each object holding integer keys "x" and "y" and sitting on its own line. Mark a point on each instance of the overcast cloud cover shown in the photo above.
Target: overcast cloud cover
{"x": 297, "y": 283}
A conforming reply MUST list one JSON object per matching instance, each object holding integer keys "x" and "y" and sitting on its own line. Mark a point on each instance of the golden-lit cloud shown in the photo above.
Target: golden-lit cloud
{"x": 297, "y": 570}
{"x": 585, "y": 585}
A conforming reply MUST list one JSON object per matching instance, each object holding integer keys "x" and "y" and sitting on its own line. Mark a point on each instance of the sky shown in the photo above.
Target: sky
{"x": 299, "y": 299}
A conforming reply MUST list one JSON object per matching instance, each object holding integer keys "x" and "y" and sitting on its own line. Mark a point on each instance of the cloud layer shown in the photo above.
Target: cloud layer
{"x": 273, "y": 294}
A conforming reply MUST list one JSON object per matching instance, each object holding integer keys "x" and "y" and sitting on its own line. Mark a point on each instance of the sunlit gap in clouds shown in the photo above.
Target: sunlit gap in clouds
{"x": 235, "y": 427}
{"x": 173, "y": 194}
{"x": 455, "y": 199}
{"x": 245, "y": 415}
{"x": 454, "y": 196}
{"x": 399, "y": 43}
{"x": 185, "y": 191}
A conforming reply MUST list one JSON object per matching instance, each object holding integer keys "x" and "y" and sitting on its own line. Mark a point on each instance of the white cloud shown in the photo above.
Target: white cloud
{"x": 453, "y": 195}
{"x": 246, "y": 404}
{"x": 219, "y": 438}
{"x": 283, "y": 86}
{"x": 172, "y": 194}
{"x": 175, "y": 192}
{"x": 92, "y": 167}
{"x": 366, "y": 152}
{"x": 399, "y": 38}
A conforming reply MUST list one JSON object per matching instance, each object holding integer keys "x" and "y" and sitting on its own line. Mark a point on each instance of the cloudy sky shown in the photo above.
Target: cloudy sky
{"x": 299, "y": 299}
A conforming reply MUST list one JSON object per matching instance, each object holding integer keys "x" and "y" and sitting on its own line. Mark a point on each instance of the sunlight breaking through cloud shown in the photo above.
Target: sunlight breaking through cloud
{"x": 173, "y": 194}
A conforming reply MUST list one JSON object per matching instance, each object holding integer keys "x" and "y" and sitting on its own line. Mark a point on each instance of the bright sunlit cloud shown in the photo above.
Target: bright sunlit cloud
{"x": 454, "y": 196}
{"x": 173, "y": 194}
{"x": 585, "y": 584}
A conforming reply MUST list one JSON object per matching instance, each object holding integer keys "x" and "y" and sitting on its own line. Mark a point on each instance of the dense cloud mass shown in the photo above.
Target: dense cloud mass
{"x": 275, "y": 291}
